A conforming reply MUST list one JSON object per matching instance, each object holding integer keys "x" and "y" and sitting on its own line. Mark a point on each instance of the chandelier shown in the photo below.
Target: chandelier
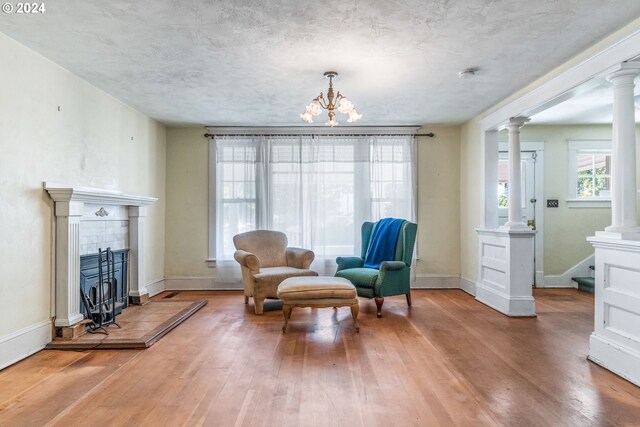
{"x": 333, "y": 102}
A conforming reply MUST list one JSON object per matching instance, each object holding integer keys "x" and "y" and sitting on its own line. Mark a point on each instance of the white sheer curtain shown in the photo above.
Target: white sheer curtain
{"x": 316, "y": 189}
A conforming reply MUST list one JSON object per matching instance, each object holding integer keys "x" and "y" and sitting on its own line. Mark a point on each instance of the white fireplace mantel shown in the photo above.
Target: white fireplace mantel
{"x": 69, "y": 209}
{"x": 61, "y": 193}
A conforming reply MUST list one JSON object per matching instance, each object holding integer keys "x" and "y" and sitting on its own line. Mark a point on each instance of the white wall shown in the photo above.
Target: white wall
{"x": 438, "y": 241}
{"x": 56, "y": 127}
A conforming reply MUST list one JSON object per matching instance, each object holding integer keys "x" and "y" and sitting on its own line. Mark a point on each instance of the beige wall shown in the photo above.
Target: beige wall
{"x": 471, "y": 185}
{"x": 438, "y": 242}
{"x": 87, "y": 143}
{"x": 439, "y": 202}
{"x": 187, "y": 203}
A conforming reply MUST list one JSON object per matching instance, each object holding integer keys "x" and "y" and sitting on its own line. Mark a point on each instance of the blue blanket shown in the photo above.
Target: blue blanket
{"x": 382, "y": 244}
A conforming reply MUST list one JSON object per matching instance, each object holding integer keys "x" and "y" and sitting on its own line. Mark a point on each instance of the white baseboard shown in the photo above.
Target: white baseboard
{"x": 156, "y": 287}
{"x": 563, "y": 280}
{"x": 423, "y": 281}
{"x": 620, "y": 360}
{"x": 436, "y": 281}
{"x": 199, "y": 284}
{"x": 469, "y": 286}
{"x": 25, "y": 342}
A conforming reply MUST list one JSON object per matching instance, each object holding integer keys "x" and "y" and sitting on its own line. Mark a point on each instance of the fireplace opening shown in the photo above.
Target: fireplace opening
{"x": 103, "y": 287}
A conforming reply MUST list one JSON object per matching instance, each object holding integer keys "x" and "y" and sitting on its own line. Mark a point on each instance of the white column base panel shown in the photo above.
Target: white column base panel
{"x": 512, "y": 306}
{"x": 616, "y": 358}
{"x": 506, "y": 271}
{"x": 631, "y": 234}
{"x": 615, "y": 342}
{"x": 23, "y": 343}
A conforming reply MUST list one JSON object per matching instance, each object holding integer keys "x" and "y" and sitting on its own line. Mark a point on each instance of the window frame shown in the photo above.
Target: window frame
{"x": 576, "y": 147}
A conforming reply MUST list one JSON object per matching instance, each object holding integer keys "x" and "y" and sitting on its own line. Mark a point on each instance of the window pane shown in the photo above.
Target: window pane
{"x": 584, "y": 164}
{"x": 593, "y": 175}
{"x": 603, "y": 186}
{"x": 238, "y": 218}
{"x": 585, "y": 187}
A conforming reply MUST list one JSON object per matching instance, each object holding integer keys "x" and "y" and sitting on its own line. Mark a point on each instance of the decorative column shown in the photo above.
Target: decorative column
{"x": 624, "y": 216}
{"x": 514, "y": 197}
{"x": 138, "y": 293}
{"x": 68, "y": 214}
{"x": 615, "y": 341}
{"x": 505, "y": 267}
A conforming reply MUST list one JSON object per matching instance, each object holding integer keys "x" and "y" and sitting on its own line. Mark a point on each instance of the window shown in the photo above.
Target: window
{"x": 316, "y": 189}
{"x": 589, "y": 173}
{"x": 594, "y": 174}
{"x": 238, "y": 189}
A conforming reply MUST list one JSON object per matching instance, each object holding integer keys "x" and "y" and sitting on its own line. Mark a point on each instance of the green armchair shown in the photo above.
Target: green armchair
{"x": 392, "y": 278}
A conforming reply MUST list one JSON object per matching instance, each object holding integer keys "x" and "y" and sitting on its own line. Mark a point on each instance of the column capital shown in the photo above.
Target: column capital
{"x": 71, "y": 208}
{"x": 626, "y": 69}
{"x": 516, "y": 123}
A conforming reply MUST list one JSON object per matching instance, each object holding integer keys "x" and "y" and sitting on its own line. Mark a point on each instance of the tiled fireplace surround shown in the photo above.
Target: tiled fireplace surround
{"x": 88, "y": 219}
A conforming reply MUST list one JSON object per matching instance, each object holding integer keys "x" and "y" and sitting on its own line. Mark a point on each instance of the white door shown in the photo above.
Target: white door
{"x": 528, "y": 174}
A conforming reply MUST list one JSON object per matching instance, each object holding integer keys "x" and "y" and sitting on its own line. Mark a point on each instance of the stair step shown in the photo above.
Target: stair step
{"x": 586, "y": 284}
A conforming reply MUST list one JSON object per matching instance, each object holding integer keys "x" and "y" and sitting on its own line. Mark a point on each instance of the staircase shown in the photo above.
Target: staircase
{"x": 586, "y": 284}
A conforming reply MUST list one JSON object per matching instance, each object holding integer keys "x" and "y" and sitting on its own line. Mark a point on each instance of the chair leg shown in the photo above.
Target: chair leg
{"x": 379, "y": 302}
{"x": 286, "y": 311}
{"x": 258, "y": 305}
{"x": 246, "y": 299}
{"x": 408, "y": 295}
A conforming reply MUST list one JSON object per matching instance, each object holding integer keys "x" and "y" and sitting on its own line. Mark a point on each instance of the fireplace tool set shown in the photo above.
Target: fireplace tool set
{"x": 101, "y": 304}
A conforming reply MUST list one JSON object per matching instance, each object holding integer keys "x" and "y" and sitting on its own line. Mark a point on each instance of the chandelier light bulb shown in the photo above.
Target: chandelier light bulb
{"x": 345, "y": 106}
{"x": 334, "y": 101}
{"x": 314, "y": 108}
{"x": 353, "y": 115}
{"x": 307, "y": 117}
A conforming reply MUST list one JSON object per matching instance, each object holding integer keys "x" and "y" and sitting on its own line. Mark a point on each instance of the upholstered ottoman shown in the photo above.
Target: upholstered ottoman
{"x": 317, "y": 291}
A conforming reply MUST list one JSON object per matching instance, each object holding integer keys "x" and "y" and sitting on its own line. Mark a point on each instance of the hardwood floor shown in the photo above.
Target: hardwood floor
{"x": 446, "y": 361}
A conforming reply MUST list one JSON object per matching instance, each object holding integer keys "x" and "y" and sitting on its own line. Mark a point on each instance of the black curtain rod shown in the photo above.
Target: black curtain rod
{"x": 211, "y": 135}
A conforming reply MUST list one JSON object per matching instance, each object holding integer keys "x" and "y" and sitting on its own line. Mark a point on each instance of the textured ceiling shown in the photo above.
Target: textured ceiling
{"x": 259, "y": 62}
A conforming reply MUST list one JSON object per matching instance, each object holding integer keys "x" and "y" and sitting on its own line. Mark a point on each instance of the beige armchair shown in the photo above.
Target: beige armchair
{"x": 266, "y": 261}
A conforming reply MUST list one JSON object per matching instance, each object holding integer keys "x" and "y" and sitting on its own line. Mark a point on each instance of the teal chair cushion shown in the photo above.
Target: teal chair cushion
{"x": 360, "y": 277}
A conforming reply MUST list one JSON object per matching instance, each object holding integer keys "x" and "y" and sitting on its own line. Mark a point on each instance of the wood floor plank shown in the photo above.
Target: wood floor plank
{"x": 446, "y": 361}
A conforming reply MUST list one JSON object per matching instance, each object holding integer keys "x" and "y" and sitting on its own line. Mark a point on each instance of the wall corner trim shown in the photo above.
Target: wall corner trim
{"x": 468, "y": 285}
